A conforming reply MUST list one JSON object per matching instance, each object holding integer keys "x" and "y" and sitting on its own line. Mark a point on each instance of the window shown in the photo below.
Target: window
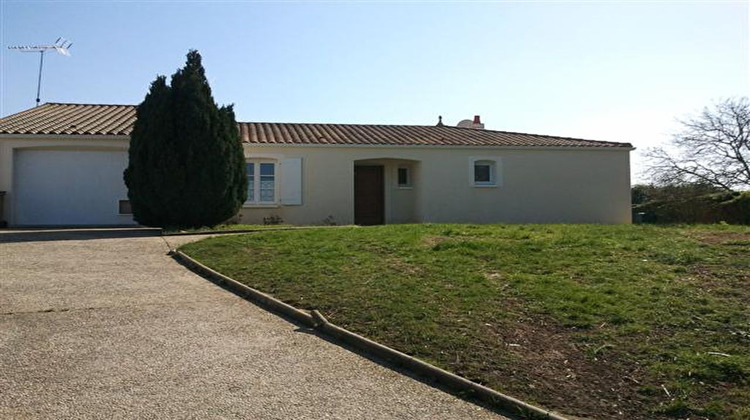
{"x": 404, "y": 177}
{"x": 267, "y": 183}
{"x": 250, "y": 182}
{"x": 484, "y": 172}
{"x": 124, "y": 207}
{"x": 261, "y": 182}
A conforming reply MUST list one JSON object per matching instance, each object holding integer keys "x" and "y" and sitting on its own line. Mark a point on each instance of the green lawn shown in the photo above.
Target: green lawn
{"x": 601, "y": 321}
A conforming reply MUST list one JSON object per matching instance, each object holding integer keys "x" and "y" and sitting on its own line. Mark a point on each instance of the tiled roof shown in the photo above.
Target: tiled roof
{"x": 53, "y": 118}
{"x": 401, "y": 135}
{"x": 79, "y": 119}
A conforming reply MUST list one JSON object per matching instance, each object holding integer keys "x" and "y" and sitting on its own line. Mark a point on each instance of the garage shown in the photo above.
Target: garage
{"x": 70, "y": 187}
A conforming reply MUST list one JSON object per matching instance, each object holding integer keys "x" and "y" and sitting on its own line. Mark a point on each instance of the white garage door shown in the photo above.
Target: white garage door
{"x": 69, "y": 187}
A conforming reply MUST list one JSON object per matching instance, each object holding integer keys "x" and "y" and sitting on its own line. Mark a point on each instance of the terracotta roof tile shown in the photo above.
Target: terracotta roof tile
{"x": 87, "y": 119}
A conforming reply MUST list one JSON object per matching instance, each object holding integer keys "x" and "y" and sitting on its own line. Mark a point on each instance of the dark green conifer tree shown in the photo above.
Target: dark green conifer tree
{"x": 186, "y": 166}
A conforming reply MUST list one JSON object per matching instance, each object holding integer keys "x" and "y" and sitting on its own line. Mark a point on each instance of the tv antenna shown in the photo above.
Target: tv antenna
{"x": 61, "y": 46}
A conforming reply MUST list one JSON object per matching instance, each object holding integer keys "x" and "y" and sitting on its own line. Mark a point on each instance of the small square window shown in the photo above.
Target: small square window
{"x": 482, "y": 173}
{"x": 403, "y": 177}
{"x": 124, "y": 207}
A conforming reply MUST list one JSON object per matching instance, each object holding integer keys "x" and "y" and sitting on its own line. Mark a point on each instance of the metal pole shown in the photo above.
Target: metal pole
{"x": 39, "y": 82}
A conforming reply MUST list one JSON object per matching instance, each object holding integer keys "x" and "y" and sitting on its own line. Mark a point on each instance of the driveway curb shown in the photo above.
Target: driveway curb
{"x": 220, "y": 232}
{"x": 316, "y": 320}
{"x": 243, "y": 291}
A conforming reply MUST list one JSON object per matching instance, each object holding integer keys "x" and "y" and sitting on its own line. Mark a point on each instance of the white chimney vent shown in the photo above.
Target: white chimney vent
{"x": 476, "y": 123}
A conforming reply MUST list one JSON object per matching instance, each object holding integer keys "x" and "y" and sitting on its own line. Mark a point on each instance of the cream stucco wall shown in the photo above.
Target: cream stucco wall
{"x": 538, "y": 185}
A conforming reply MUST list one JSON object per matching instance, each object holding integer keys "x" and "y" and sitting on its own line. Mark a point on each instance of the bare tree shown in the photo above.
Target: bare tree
{"x": 712, "y": 148}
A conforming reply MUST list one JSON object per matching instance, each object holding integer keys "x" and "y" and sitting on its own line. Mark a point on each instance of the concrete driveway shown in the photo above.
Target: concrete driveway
{"x": 103, "y": 324}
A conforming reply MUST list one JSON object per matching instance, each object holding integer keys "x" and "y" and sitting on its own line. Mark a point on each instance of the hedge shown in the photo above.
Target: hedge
{"x": 730, "y": 207}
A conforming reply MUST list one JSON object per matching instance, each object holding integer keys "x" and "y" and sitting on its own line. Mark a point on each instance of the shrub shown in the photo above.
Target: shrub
{"x": 730, "y": 207}
{"x": 186, "y": 164}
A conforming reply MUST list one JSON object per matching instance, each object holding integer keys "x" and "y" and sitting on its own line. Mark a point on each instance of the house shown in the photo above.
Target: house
{"x": 62, "y": 164}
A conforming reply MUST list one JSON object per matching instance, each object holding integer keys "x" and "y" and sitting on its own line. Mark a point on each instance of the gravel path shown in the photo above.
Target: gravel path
{"x": 103, "y": 324}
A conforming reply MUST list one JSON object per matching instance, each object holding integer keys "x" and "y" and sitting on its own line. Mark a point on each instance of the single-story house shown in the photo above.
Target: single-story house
{"x": 62, "y": 164}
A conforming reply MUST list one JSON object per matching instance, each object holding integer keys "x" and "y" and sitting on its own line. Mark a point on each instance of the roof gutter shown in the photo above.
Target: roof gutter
{"x": 442, "y": 146}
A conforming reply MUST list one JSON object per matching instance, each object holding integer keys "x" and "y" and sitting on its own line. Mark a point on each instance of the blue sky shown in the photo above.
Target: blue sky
{"x": 620, "y": 71}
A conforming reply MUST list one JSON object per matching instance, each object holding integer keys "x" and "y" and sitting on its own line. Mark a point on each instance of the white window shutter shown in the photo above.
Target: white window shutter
{"x": 291, "y": 182}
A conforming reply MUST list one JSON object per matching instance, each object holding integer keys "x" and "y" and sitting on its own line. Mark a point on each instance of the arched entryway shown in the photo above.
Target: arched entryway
{"x": 384, "y": 191}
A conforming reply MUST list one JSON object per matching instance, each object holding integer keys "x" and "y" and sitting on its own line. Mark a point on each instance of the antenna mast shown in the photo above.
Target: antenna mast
{"x": 61, "y": 46}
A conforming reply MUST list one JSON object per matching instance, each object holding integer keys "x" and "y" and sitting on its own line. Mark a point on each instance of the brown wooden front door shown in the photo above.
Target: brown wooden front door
{"x": 369, "y": 202}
